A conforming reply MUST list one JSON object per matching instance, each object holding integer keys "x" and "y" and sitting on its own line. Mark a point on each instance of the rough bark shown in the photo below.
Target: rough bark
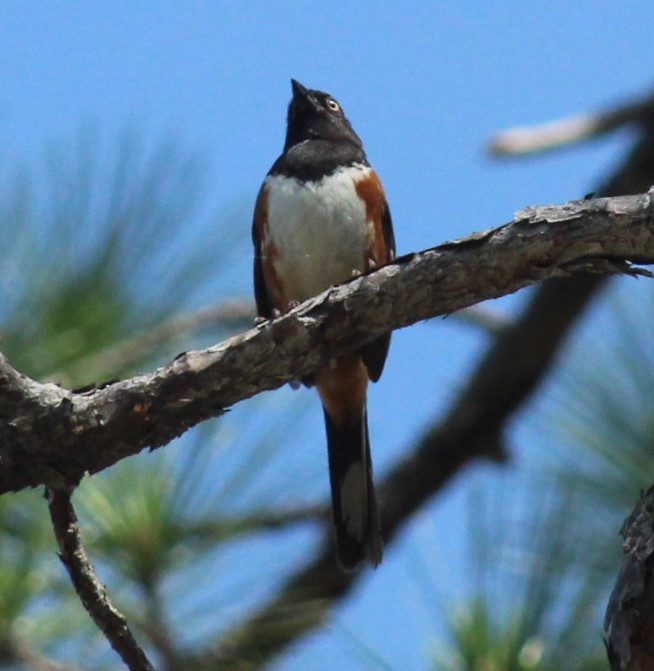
{"x": 629, "y": 622}
{"x": 52, "y": 436}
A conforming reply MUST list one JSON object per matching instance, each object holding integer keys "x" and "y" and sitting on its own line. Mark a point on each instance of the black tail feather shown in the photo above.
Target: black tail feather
{"x": 354, "y": 505}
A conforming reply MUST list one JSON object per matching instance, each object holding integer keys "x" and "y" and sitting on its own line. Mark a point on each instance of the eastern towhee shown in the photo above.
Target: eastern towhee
{"x": 321, "y": 217}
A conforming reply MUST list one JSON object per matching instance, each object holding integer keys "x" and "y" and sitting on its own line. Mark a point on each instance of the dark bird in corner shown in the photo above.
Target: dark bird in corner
{"x": 320, "y": 218}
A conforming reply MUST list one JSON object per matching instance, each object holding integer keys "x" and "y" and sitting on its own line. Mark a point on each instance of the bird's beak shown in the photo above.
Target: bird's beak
{"x": 301, "y": 95}
{"x": 299, "y": 91}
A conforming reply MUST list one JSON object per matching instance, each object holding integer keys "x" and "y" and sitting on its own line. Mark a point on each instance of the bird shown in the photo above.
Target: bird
{"x": 321, "y": 217}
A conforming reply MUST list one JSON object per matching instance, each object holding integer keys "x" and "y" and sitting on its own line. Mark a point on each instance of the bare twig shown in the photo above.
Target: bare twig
{"x": 90, "y": 590}
{"x": 544, "y": 137}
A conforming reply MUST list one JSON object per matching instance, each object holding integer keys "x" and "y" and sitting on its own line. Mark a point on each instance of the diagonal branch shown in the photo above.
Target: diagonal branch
{"x": 52, "y": 436}
{"x": 90, "y": 590}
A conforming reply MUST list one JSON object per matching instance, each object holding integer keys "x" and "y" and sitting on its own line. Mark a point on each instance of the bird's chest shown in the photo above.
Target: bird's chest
{"x": 318, "y": 231}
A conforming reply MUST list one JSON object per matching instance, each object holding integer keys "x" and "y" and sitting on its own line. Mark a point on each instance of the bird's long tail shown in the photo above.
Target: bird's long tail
{"x": 354, "y": 505}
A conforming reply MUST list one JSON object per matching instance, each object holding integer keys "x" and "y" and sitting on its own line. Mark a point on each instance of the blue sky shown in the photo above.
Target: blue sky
{"x": 425, "y": 84}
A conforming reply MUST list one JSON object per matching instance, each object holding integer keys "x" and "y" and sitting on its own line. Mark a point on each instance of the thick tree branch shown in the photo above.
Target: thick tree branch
{"x": 52, "y": 436}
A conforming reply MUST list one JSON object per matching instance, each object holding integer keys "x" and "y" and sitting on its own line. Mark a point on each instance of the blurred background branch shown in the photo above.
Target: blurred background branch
{"x": 234, "y": 314}
{"x": 119, "y": 419}
{"x": 557, "y": 134}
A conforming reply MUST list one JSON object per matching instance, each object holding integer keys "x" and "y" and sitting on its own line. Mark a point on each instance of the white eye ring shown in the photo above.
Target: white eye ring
{"x": 333, "y": 105}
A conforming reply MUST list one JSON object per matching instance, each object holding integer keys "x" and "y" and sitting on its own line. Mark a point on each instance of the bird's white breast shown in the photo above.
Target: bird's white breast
{"x": 319, "y": 230}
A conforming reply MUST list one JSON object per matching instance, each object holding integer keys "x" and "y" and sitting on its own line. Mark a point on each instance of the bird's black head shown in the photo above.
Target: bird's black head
{"x": 315, "y": 115}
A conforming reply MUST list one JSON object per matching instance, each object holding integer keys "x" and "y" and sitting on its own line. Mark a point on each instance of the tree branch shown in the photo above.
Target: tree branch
{"x": 555, "y": 134}
{"x": 52, "y": 436}
{"x": 629, "y": 622}
{"x": 90, "y": 590}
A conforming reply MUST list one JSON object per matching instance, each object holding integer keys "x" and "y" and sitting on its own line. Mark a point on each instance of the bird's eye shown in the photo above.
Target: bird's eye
{"x": 333, "y": 105}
